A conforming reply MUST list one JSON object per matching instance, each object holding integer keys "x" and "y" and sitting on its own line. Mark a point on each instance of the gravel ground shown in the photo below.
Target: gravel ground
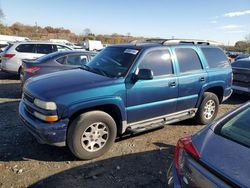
{"x": 133, "y": 161}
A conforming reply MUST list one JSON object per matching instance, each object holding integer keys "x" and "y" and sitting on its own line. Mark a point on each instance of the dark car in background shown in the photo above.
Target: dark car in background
{"x": 242, "y": 56}
{"x": 241, "y": 75}
{"x": 54, "y": 62}
{"x": 217, "y": 156}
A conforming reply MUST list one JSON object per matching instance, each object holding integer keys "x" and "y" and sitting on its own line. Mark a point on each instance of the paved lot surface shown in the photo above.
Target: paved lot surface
{"x": 135, "y": 161}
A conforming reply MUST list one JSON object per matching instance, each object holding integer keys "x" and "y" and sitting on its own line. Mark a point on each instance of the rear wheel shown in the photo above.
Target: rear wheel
{"x": 91, "y": 134}
{"x": 208, "y": 109}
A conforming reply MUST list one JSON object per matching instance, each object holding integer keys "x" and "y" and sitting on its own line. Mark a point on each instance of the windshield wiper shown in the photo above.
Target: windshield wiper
{"x": 95, "y": 70}
{"x": 102, "y": 72}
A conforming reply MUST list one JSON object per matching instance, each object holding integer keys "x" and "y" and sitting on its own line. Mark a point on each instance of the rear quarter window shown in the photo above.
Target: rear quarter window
{"x": 25, "y": 48}
{"x": 215, "y": 57}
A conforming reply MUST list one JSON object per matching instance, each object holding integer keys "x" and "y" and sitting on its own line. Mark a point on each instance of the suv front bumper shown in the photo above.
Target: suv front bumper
{"x": 45, "y": 133}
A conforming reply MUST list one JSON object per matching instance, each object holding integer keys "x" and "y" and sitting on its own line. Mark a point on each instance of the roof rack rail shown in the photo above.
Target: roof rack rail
{"x": 176, "y": 41}
{"x": 152, "y": 40}
{"x": 190, "y": 41}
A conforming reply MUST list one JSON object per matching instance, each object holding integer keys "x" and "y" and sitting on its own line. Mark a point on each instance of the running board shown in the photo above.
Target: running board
{"x": 159, "y": 122}
{"x": 145, "y": 128}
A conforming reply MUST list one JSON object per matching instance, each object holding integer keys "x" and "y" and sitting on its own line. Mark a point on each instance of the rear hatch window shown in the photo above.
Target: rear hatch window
{"x": 8, "y": 47}
{"x": 238, "y": 128}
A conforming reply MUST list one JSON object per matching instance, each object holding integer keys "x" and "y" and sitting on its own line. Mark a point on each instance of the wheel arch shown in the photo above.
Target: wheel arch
{"x": 111, "y": 109}
{"x": 217, "y": 89}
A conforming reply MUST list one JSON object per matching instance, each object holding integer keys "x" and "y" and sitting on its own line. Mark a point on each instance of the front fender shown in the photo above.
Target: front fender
{"x": 117, "y": 101}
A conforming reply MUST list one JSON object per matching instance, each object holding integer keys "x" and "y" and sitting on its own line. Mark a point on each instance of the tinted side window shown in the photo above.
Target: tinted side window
{"x": 44, "y": 48}
{"x": 61, "y": 60}
{"x": 77, "y": 60}
{"x": 158, "y": 61}
{"x": 62, "y": 48}
{"x": 188, "y": 60}
{"x": 25, "y": 48}
{"x": 215, "y": 57}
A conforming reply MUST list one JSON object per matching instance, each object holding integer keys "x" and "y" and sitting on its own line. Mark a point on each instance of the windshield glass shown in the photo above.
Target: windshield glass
{"x": 238, "y": 128}
{"x": 113, "y": 61}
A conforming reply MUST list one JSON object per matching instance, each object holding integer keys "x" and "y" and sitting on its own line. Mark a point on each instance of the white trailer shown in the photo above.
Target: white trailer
{"x": 9, "y": 38}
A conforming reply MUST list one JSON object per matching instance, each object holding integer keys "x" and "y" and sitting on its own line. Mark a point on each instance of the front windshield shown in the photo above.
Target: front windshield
{"x": 113, "y": 61}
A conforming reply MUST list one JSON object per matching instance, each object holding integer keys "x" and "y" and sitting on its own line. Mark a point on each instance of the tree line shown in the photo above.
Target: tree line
{"x": 44, "y": 33}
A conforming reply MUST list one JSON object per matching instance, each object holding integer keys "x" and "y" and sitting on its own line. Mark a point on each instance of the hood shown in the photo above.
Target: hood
{"x": 228, "y": 158}
{"x": 54, "y": 85}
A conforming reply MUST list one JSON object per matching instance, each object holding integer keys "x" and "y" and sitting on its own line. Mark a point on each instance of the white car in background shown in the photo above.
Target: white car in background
{"x": 14, "y": 54}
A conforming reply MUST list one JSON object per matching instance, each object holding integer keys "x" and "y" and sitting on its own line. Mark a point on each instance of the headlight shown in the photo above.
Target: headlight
{"x": 45, "y": 105}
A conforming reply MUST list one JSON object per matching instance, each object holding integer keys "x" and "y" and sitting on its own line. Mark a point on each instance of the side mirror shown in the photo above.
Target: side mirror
{"x": 145, "y": 74}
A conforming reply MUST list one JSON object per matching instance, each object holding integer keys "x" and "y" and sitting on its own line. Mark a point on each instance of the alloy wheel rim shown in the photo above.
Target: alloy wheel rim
{"x": 209, "y": 109}
{"x": 95, "y": 137}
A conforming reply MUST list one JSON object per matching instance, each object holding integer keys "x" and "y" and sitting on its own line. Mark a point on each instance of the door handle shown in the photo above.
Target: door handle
{"x": 202, "y": 79}
{"x": 172, "y": 84}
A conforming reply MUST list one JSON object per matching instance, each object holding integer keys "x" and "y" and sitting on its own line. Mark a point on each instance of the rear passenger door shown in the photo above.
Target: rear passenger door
{"x": 147, "y": 99}
{"x": 191, "y": 77}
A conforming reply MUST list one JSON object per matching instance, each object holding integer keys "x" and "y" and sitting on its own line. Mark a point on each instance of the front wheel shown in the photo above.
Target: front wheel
{"x": 91, "y": 134}
{"x": 208, "y": 109}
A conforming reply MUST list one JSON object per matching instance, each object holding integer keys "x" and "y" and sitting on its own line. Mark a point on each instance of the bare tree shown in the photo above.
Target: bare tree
{"x": 247, "y": 37}
{"x": 2, "y": 16}
{"x": 86, "y": 31}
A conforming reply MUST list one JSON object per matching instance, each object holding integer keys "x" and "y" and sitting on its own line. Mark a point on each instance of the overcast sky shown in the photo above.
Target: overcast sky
{"x": 225, "y": 21}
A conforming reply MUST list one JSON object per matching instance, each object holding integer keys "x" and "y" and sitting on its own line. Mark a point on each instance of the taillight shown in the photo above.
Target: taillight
{"x": 184, "y": 144}
{"x": 8, "y": 56}
{"x": 30, "y": 70}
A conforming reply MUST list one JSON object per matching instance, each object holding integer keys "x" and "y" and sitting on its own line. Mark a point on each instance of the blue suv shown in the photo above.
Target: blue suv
{"x": 126, "y": 88}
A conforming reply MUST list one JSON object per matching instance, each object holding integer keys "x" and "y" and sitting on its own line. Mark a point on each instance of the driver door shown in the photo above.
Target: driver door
{"x": 153, "y": 98}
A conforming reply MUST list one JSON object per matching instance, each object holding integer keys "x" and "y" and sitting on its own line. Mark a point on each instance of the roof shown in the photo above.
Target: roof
{"x": 148, "y": 43}
{"x": 38, "y": 42}
{"x": 67, "y": 52}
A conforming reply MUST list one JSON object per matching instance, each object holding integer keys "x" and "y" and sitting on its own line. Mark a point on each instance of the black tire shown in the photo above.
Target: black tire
{"x": 202, "y": 117}
{"x": 83, "y": 123}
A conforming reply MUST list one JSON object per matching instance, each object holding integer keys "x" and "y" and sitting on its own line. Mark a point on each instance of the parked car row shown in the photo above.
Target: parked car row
{"x": 16, "y": 52}
{"x": 54, "y": 62}
{"x": 234, "y": 56}
{"x": 89, "y": 99}
{"x": 241, "y": 73}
